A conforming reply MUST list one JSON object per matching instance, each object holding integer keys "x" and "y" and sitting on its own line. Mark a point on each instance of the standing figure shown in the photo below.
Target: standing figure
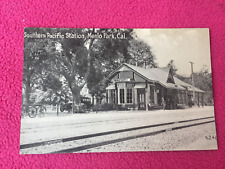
{"x": 163, "y": 103}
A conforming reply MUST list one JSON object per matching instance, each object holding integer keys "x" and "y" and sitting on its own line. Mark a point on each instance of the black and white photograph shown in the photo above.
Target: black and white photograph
{"x": 116, "y": 90}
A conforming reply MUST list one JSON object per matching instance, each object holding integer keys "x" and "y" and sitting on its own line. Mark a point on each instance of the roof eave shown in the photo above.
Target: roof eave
{"x": 133, "y": 71}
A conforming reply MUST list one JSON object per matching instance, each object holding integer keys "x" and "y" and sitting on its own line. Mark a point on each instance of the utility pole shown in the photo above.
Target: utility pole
{"x": 193, "y": 84}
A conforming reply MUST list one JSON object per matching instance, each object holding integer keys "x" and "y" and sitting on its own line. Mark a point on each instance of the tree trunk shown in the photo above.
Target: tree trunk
{"x": 89, "y": 59}
{"x": 92, "y": 102}
{"x": 57, "y": 107}
{"x": 76, "y": 99}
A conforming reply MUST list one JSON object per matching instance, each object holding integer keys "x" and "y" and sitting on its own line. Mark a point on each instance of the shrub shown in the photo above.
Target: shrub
{"x": 108, "y": 107}
{"x": 103, "y": 107}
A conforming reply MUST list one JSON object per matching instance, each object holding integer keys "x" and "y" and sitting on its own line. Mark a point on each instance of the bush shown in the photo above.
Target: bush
{"x": 121, "y": 107}
{"x": 108, "y": 107}
{"x": 103, "y": 107}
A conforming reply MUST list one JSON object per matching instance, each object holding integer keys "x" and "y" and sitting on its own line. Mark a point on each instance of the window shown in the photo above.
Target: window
{"x": 129, "y": 95}
{"x": 121, "y": 95}
{"x": 113, "y": 95}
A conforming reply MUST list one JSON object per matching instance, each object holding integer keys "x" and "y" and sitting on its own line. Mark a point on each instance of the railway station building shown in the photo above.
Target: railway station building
{"x": 150, "y": 88}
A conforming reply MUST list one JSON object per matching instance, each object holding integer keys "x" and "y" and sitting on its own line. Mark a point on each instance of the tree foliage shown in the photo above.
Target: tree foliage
{"x": 203, "y": 81}
{"x": 35, "y": 55}
{"x": 141, "y": 54}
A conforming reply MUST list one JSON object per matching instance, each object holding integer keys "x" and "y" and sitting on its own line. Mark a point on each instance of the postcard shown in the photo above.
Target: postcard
{"x": 116, "y": 90}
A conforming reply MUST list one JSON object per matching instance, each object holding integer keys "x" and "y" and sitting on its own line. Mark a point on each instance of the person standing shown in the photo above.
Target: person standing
{"x": 163, "y": 103}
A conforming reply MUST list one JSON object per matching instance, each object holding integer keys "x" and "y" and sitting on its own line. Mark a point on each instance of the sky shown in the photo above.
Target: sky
{"x": 181, "y": 45}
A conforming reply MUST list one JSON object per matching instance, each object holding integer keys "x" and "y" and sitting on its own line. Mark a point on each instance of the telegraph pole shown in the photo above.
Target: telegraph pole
{"x": 193, "y": 84}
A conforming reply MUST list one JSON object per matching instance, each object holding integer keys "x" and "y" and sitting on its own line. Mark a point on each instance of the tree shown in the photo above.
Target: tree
{"x": 203, "y": 81}
{"x": 141, "y": 54}
{"x": 35, "y": 54}
{"x": 39, "y": 81}
{"x": 87, "y": 60}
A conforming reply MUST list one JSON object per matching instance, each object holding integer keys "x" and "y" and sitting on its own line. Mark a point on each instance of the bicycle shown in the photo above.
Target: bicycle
{"x": 42, "y": 110}
{"x": 33, "y": 110}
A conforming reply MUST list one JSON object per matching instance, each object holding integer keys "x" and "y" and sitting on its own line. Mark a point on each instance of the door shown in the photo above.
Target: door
{"x": 141, "y": 99}
{"x": 171, "y": 99}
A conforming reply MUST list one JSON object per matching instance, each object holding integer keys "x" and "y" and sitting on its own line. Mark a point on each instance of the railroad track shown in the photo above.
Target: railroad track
{"x": 85, "y": 142}
{"x": 78, "y": 124}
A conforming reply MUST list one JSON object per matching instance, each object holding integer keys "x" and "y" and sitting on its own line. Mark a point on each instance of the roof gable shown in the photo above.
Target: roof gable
{"x": 124, "y": 68}
{"x": 127, "y": 67}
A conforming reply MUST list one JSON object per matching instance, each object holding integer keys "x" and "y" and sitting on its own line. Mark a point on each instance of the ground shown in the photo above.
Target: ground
{"x": 93, "y": 131}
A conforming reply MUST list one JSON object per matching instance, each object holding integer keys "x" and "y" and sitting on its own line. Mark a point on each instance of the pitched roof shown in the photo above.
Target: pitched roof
{"x": 161, "y": 75}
